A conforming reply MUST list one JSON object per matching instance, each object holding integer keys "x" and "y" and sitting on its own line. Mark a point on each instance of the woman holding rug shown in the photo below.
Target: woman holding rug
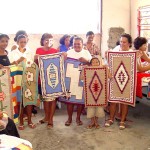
{"x": 49, "y": 103}
{"x": 125, "y": 44}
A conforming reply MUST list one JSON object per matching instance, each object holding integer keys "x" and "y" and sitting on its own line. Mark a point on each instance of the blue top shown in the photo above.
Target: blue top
{"x": 63, "y": 48}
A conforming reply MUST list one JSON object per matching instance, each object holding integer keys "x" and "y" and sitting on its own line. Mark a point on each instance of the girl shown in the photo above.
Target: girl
{"x": 16, "y": 57}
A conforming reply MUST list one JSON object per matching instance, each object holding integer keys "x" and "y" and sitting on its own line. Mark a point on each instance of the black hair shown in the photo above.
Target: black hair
{"x": 78, "y": 38}
{"x": 139, "y": 41}
{"x": 19, "y": 33}
{"x": 63, "y": 38}
{"x": 93, "y": 59}
{"x": 117, "y": 43}
{"x": 71, "y": 39}
{"x": 128, "y": 36}
{"x": 89, "y": 33}
{"x": 20, "y": 37}
{"x": 4, "y": 35}
{"x": 45, "y": 36}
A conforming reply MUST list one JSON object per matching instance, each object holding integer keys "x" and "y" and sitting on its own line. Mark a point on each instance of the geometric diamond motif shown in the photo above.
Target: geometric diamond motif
{"x": 95, "y": 86}
{"x": 121, "y": 77}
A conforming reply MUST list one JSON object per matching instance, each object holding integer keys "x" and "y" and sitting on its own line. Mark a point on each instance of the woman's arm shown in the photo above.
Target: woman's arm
{"x": 142, "y": 68}
{"x": 145, "y": 57}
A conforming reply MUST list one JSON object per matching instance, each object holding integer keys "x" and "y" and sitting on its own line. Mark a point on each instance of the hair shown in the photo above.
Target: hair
{"x": 71, "y": 39}
{"x": 128, "y": 36}
{"x": 45, "y": 36}
{"x": 93, "y": 59}
{"x": 117, "y": 43}
{"x": 78, "y": 38}
{"x": 89, "y": 33}
{"x": 20, "y": 37}
{"x": 139, "y": 41}
{"x": 4, "y": 35}
{"x": 20, "y": 32}
{"x": 62, "y": 39}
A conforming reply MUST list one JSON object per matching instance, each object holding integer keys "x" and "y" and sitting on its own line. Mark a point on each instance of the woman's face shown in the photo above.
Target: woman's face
{"x": 95, "y": 62}
{"x": 3, "y": 43}
{"x": 143, "y": 47}
{"x": 77, "y": 45}
{"x": 67, "y": 41}
{"x": 90, "y": 38}
{"x": 22, "y": 42}
{"x": 48, "y": 42}
{"x": 124, "y": 44}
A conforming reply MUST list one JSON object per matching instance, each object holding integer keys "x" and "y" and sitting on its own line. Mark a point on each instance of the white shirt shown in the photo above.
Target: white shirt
{"x": 16, "y": 54}
{"x": 76, "y": 55}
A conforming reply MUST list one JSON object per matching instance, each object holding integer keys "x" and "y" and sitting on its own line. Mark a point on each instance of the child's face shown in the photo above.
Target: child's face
{"x": 22, "y": 42}
{"x": 3, "y": 43}
{"x": 95, "y": 62}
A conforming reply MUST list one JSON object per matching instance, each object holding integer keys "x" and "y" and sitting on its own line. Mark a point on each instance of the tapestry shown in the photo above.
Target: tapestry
{"x": 16, "y": 81}
{"x": 30, "y": 83}
{"x": 95, "y": 86}
{"x": 74, "y": 86}
{"x": 52, "y": 75}
{"x": 5, "y": 92}
{"x": 123, "y": 67}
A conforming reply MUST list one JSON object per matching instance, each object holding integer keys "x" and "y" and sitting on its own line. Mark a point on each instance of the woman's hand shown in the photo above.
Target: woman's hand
{"x": 83, "y": 60}
{"x": 36, "y": 56}
{"x": 1, "y": 66}
{"x": 64, "y": 55}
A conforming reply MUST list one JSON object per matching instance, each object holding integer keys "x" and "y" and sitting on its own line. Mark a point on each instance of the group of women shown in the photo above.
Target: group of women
{"x": 75, "y": 48}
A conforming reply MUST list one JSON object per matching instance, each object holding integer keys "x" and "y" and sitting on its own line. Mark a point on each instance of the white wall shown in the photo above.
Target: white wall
{"x": 115, "y": 13}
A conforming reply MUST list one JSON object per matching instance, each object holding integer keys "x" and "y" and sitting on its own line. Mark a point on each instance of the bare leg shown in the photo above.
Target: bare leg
{"x": 21, "y": 116}
{"x": 124, "y": 112}
{"x": 112, "y": 110}
{"x": 79, "y": 111}
{"x": 96, "y": 122}
{"x": 29, "y": 113}
{"x": 70, "y": 112}
{"x": 51, "y": 112}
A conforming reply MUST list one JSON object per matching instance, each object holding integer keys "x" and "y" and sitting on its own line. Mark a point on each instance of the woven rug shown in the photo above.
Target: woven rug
{"x": 122, "y": 87}
{"x": 30, "y": 83}
{"x": 5, "y": 92}
{"x": 74, "y": 86}
{"x": 95, "y": 86}
{"x": 52, "y": 75}
{"x": 16, "y": 81}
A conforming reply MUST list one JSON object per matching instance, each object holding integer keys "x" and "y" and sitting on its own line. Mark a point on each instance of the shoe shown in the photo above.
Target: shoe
{"x": 21, "y": 127}
{"x": 43, "y": 121}
{"x": 97, "y": 126}
{"x": 32, "y": 125}
{"x": 79, "y": 122}
{"x": 90, "y": 126}
{"x": 108, "y": 123}
{"x": 68, "y": 123}
{"x": 49, "y": 126}
{"x": 122, "y": 126}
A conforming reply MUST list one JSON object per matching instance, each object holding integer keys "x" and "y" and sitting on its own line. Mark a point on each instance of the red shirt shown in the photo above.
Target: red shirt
{"x": 41, "y": 51}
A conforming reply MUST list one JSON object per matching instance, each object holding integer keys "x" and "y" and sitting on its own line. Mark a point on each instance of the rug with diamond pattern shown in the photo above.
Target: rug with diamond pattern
{"x": 95, "y": 86}
{"x": 122, "y": 87}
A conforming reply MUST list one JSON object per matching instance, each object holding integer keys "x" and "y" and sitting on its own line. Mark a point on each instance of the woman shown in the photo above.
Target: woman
{"x": 89, "y": 45}
{"x": 65, "y": 43}
{"x": 7, "y": 125}
{"x": 20, "y": 32}
{"x": 140, "y": 43}
{"x": 83, "y": 56}
{"x": 125, "y": 44}
{"x": 18, "y": 56}
{"x": 49, "y": 103}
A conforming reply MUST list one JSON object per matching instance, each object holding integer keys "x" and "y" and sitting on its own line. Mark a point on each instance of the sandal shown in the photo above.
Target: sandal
{"x": 68, "y": 123}
{"x": 108, "y": 123}
{"x": 122, "y": 126}
{"x": 49, "y": 126}
{"x": 79, "y": 123}
{"x": 97, "y": 126}
{"x": 21, "y": 127}
{"x": 42, "y": 121}
{"x": 31, "y": 125}
{"x": 90, "y": 126}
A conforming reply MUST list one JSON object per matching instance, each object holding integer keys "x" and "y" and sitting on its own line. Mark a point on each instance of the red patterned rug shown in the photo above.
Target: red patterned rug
{"x": 122, "y": 87}
{"x": 95, "y": 86}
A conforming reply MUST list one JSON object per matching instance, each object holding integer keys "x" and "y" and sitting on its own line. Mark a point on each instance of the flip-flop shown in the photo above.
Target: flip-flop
{"x": 97, "y": 126}
{"x": 49, "y": 126}
{"x": 79, "y": 123}
{"x": 21, "y": 127}
{"x": 32, "y": 125}
{"x": 90, "y": 126}
{"x": 42, "y": 121}
{"x": 68, "y": 123}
